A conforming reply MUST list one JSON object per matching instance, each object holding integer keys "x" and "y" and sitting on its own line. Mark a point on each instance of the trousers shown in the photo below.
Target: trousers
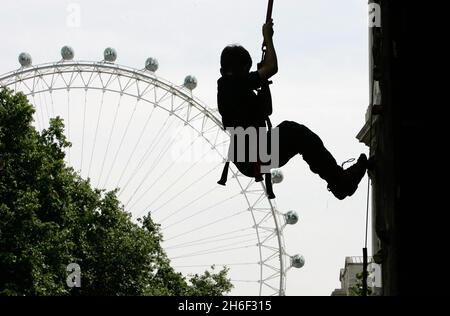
{"x": 296, "y": 139}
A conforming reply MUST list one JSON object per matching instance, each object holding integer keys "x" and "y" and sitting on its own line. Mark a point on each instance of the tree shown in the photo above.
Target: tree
{"x": 357, "y": 289}
{"x": 51, "y": 217}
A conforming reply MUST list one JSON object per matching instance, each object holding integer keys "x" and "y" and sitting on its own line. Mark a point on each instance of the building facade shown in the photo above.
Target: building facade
{"x": 350, "y": 277}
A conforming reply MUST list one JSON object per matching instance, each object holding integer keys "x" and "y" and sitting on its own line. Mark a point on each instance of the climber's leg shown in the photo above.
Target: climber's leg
{"x": 298, "y": 139}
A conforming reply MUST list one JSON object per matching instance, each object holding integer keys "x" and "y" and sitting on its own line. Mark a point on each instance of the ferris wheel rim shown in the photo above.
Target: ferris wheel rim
{"x": 37, "y": 71}
{"x": 144, "y": 74}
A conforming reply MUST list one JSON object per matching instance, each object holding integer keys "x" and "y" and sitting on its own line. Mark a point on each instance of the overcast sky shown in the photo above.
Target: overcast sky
{"x": 322, "y": 82}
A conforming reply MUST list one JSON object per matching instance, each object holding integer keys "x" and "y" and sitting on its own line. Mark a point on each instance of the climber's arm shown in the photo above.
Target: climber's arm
{"x": 269, "y": 66}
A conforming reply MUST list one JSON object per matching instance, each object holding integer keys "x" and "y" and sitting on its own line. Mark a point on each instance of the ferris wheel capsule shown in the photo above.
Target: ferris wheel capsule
{"x": 297, "y": 261}
{"x": 110, "y": 54}
{"x": 67, "y": 53}
{"x": 291, "y": 217}
{"x": 25, "y": 60}
{"x": 190, "y": 82}
{"x": 151, "y": 64}
{"x": 277, "y": 176}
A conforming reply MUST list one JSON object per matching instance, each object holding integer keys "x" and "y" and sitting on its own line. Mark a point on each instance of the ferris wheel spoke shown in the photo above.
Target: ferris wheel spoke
{"x": 38, "y": 121}
{"x": 40, "y": 105}
{"x": 164, "y": 150}
{"x": 43, "y": 105}
{"x": 155, "y": 141}
{"x": 96, "y": 132}
{"x": 243, "y": 281}
{"x": 213, "y": 236}
{"x": 190, "y": 185}
{"x": 218, "y": 249}
{"x": 202, "y": 196}
{"x": 172, "y": 184}
{"x": 109, "y": 140}
{"x": 45, "y": 87}
{"x": 210, "y": 241}
{"x": 135, "y": 146}
{"x": 202, "y": 211}
{"x": 208, "y": 225}
{"x": 52, "y": 103}
{"x": 212, "y": 251}
{"x": 217, "y": 264}
{"x": 68, "y": 121}
{"x": 84, "y": 128}
{"x": 163, "y": 173}
{"x": 52, "y": 81}
{"x": 121, "y": 143}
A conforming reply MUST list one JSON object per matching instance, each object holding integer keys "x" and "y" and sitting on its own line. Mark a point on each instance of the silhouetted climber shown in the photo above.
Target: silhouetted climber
{"x": 240, "y": 106}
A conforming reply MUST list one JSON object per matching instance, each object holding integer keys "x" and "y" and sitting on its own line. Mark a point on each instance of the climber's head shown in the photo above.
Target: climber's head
{"x": 235, "y": 60}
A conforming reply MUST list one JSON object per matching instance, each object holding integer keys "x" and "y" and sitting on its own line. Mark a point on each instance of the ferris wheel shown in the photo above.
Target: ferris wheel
{"x": 163, "y": 149}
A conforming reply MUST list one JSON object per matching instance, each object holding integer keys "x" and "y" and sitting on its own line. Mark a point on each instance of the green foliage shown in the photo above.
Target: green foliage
{"x": 210, "y": 284}
{"x": 357, "y": 290}
{"x": 51, "y": 217}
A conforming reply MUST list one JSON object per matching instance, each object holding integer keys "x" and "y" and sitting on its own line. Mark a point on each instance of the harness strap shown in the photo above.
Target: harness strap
{"x": 258, "y": 174}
